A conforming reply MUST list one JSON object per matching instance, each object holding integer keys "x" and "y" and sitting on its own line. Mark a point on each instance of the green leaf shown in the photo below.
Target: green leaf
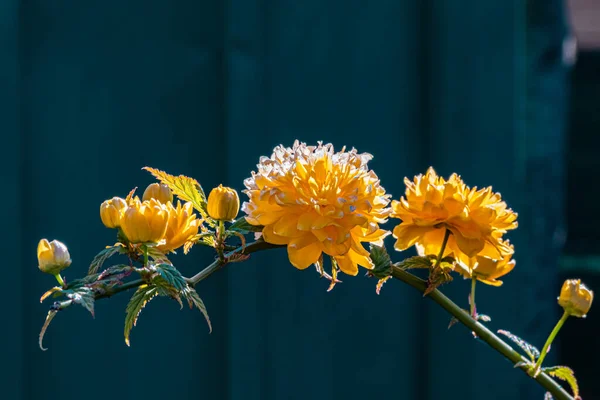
{"x": 529, "y": 349}
{"x": 186, "y": 188}
{"x": 437, "y": 276}
{"x": 49, "y": 317}
{"x": 77, "y": 283}
{"x": 138, "y": 301}
{"x": 101, "y": 258}
{"x": 83, "y": 296}
{"x": 194, "y": 300}
{"x": 171, "y": 276}
{"x": 158, "y": 256}
{"x": 242, "y": 226}
{"x": 119, "y": 270}
{"x": 565, "y": 374}
{"x": 382, "y": 261}
{"x": 415, "y": 262}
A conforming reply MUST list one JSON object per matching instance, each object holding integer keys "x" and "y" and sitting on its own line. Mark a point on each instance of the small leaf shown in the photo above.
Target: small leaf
{"x": 77, "y": 283}
{"x": 380, "y": 284}
{"x": 523, "y": 364}
{"x": 158, "y": 256}
{"x": 122, "y": 270}
{"x": 186, "y": 188}
{"x": 138, "y": 301}
{"x": 453, "y": 321}
{"x": 101, "y": 258}
{"x": 529, "y": 349}
{"x": 83, "y": 296}
{"x": 483, "y": 317}
{"x": 172, "y": 276}
{"x": 194, "y": 300}
{"x": 242, "y": 226}
{"x": 415, "y": 262}
{"x": 565, "y": 374}
{"x": 49, "y": 317}
{"x": 49, "y": 292}
{"x": 382, "y": 261}
{"x": 437, "y": 277}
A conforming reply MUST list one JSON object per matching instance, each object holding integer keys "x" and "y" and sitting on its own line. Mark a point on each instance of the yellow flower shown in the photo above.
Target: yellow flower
{"x": 476, "y": 218}
{"x": 158, "y": 191}
{"x": 111, "y": 212}
{"x": 223, "y": 203}
{"x": 52, "y": 256}
{"x": 317, "y": 201}
{"x": 575, "y": 298}
{"x": 485, "y": 268}
{"x": 145, "y": 222}
{"x": 182, "y": 226}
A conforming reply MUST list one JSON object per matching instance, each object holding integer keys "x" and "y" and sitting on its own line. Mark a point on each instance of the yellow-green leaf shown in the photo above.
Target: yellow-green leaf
{"x": 565, "y": 374}
{"x": 186, "y": 188}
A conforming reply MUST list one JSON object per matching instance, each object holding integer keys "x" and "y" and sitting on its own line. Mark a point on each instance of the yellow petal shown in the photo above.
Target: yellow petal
{"x": 272, "y": 238}
{"x": 304, "y": 251}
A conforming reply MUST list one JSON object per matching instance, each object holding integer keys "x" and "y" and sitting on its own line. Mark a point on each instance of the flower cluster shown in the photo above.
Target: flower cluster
{"x": 315, "y": 200}
{"x": 154, "y": 219}
{"x": 468, "y": 223}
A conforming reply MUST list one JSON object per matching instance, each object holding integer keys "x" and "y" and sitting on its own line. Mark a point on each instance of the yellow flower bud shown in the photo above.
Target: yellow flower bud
{"x": 223, "y": 203}
{"x": 111, "y": 212}
{"x": 145, "y": 222}
{"x": 575, "y": 298}
{"x": 183, "y": 225}
{"x": 158, "y": 191}
{"x": 53, "y": 256}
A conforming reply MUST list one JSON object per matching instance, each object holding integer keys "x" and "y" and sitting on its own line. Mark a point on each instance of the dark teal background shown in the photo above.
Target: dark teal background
{"x": 94, "y": 90}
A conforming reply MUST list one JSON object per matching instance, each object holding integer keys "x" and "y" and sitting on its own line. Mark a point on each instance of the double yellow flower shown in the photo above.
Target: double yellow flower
{"x": 476, "y": 218}
{"x": 154, "y": 219}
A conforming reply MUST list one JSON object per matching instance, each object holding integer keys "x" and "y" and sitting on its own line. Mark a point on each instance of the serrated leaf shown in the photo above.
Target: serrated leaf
{"x": 136, "y": 304}
{"x": 415, "y": 262}
{"x": 120, "y": 269}
{"x": 194, "y": 300}
{"x": 529, "y": 349}
{"x": 158, "y": 256}
{"x": 242, "y": 226}
{"x": 77, "y": 283}
{"x": 101, "y": 258}
{"x": 83, "y": 296}
{"x": 565, "y": 374}
{"x": 186, "y": 188}
{"x": 172, "y": 276}
{"x": 437, "y": 277}
{"x": 380, "y": 284}
{"x": 382, "y": 261}
{"x": 49, "y": 317}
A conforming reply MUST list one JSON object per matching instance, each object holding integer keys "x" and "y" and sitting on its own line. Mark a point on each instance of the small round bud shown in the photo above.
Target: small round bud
{"x": 575, "y": 298}
{"x": 111, "y": 212}
{"x": 53, "y": 256}
{"x": 158, "y": 191}
{"x": 223, "y": 203}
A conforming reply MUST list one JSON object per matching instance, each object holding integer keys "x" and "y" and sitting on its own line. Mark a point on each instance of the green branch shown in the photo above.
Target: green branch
{"x": 482, "y": 332}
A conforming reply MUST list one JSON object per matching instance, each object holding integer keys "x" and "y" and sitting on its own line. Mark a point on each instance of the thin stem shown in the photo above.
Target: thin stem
{"x": 145, "y": 251}
{"x": 60, "y": 280}
{"x": 482, "y": 332}
{"x": 472, "y": 298}
{"x": 549, "y": 341}
{"x": 205, "y": 273}
{"x": 441, "y": 253}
